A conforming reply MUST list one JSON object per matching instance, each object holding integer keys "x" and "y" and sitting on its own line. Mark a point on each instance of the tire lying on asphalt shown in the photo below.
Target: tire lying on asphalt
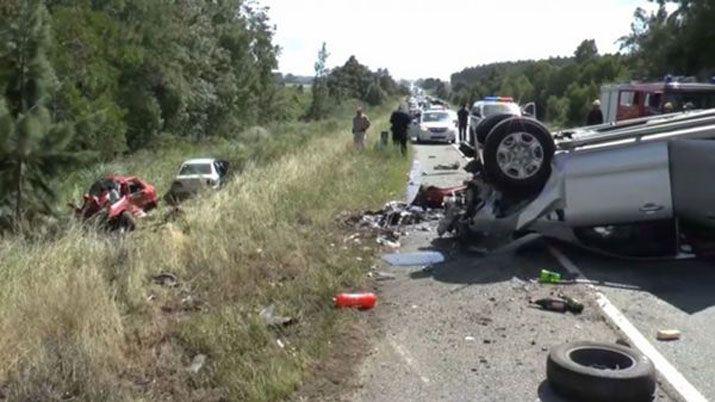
{"x": 486, "y": 125}
{"x": 517, "y": 156}
{"x": 592, "y": 371}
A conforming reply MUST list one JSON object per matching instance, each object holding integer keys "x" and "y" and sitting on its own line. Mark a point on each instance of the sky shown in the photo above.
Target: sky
{"x": 435, "y": 38}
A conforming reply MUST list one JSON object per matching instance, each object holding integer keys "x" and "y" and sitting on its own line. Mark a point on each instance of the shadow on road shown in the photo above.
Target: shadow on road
{"x": 685, "y": 284}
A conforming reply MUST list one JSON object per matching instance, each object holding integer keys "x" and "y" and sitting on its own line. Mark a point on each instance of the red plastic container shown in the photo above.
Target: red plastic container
{"x": 362, "y": 301}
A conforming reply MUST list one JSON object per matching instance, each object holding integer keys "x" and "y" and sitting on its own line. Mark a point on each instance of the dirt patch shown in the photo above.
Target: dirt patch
{"x": 336, "y": 377}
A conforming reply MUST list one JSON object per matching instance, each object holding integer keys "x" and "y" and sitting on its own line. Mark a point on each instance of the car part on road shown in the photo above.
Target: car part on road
{"x": 593, "y": 371}
{"x": 361, "y": 301}
{"x": 517, "y": 156}
{"x": 416, "y": 259}
{"x": 546, "y": 276}
{"x": 434, "y": 197}
{"x": 451, "y": 166}
{"x": 668, "y": 335}
{"x": 561, "y": 304}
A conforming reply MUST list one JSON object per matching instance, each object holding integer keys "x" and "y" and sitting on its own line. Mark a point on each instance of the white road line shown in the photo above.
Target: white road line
{"x": 681, "y": 385}
{"x": 408, "y": 359}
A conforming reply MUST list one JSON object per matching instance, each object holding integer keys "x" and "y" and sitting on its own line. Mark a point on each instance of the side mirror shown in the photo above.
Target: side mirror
{"x": 529, "y": 109}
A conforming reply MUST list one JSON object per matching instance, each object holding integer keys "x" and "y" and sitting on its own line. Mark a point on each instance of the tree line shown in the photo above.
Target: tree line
{"x": 679, "y": 42}
{"x": 91, "y": 80}
{"x": 351, "y": 81}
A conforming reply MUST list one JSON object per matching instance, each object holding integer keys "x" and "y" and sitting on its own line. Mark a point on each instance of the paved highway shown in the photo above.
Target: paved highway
{"x": 463, "y": 329}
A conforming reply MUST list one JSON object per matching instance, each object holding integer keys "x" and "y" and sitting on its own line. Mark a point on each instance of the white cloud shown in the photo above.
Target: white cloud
{"x": 421, "y": 38}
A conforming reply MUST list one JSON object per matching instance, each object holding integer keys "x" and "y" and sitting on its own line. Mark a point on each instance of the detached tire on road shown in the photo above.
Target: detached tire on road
{"x": 592, "y": 371}
{"x": 486, "y": 125}
{"x": 517, "y": 156}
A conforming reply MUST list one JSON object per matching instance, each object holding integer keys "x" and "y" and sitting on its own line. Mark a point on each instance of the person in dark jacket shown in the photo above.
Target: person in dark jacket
{"x": 463, "y": 118}
{"x": 400, "y": 121}
{"x": 595, "y": 116}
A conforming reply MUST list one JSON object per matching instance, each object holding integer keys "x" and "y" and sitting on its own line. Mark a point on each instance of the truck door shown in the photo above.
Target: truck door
{"x": 615, "y": 185}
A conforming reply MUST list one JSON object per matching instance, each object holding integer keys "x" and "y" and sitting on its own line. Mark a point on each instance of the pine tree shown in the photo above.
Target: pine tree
{"x": 32, "y": 147}
{"x": 319, "y": 103}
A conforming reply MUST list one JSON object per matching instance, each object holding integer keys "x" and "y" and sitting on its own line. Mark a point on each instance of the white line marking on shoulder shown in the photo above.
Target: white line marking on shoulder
{"x": 408, "y": 359}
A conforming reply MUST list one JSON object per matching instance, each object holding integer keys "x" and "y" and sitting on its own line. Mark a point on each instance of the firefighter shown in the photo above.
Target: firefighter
{"x": 595, "y": 116}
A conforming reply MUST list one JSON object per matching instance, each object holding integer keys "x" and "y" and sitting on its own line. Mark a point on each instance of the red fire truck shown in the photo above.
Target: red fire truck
{"x": 629, "y": 101}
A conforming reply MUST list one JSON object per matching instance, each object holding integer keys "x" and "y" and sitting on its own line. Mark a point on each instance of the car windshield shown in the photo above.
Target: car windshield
{"x": 195, "y": 168}
{"x": 495, "y": 108}
{"x": 433, "y": 117}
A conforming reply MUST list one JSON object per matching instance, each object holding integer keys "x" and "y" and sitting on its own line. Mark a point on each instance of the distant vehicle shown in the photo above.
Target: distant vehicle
{"x": 435, "y": 125}
{"x": 197, "y": 174}
{"x": 630, "y": 101}
{"x": 491, "y": 106}
{"x": 115, "y": 201}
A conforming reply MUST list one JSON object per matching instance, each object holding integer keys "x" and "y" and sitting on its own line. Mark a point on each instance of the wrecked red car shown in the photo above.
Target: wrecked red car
{"x": 116, "y": 201}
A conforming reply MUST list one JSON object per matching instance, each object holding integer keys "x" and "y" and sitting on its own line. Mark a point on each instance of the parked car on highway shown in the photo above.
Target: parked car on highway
{"x": 197, "y": 174}
{"x": 639, "y": 187}
{"x": 434, "y": 125}
{"x": 115, "y": 202}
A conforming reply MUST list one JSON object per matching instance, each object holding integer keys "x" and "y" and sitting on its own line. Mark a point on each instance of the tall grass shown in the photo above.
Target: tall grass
{"x": 80, "y": 316}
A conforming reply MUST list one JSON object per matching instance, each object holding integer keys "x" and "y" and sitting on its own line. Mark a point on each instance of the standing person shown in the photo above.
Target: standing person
{"x": 595, "y": 116}
{"x": 360, "y": 125}
{"x": 400, "y": 121}
{"x": 463, "y": 117}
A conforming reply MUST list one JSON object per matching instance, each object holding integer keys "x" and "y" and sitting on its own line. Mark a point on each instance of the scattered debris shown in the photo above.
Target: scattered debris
{"x": 190, "y": 303}
{"x": 166, "y": 279}
{"x": 559, "y": 305}
{"x": 197, "y": 363}
{"x": 434, "y": 197}
{"x": 269, "y": 317}
{"x": 280, "y": 343}
{"x": 546, "y": 276}
{"x": 668, "y": 335}
{"x": 392, "y": 244}
{"x": 468, "y": 338}
{"x": 380, "y": 276}
{"x": 423, "y": 258}
{"x": 572, "y": 304}
{"x": 451, "y": 166}
{"x": 361, "y": 301}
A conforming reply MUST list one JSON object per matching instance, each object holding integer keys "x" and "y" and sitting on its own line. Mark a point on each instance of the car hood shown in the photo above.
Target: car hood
{"x": 438, "y": 124}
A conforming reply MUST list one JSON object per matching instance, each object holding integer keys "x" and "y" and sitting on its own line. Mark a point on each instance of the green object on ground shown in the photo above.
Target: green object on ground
{"x": 549, "y": 277}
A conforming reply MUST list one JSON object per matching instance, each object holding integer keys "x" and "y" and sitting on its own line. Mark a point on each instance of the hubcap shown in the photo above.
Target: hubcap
{"x": 520, "y": 155}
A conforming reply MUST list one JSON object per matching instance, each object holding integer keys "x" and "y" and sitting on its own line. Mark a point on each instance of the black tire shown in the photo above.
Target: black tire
{"x": 486, "y": 125}
{"x": 531, "y": 184}
{"x": 591, "y": 371}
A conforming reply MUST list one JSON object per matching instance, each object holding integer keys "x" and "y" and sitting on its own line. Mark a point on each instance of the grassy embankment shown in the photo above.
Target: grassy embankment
{"x": 80, "y": 316}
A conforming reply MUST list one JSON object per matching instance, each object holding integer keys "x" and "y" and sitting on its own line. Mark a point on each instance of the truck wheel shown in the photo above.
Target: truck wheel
{"x": 517, "y": 156}
{"x": 486, "y": 125}
{"x": 592, "y": 371}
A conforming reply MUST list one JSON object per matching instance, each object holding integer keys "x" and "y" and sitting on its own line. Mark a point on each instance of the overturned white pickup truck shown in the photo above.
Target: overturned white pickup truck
{"x": 643, "y": 187}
